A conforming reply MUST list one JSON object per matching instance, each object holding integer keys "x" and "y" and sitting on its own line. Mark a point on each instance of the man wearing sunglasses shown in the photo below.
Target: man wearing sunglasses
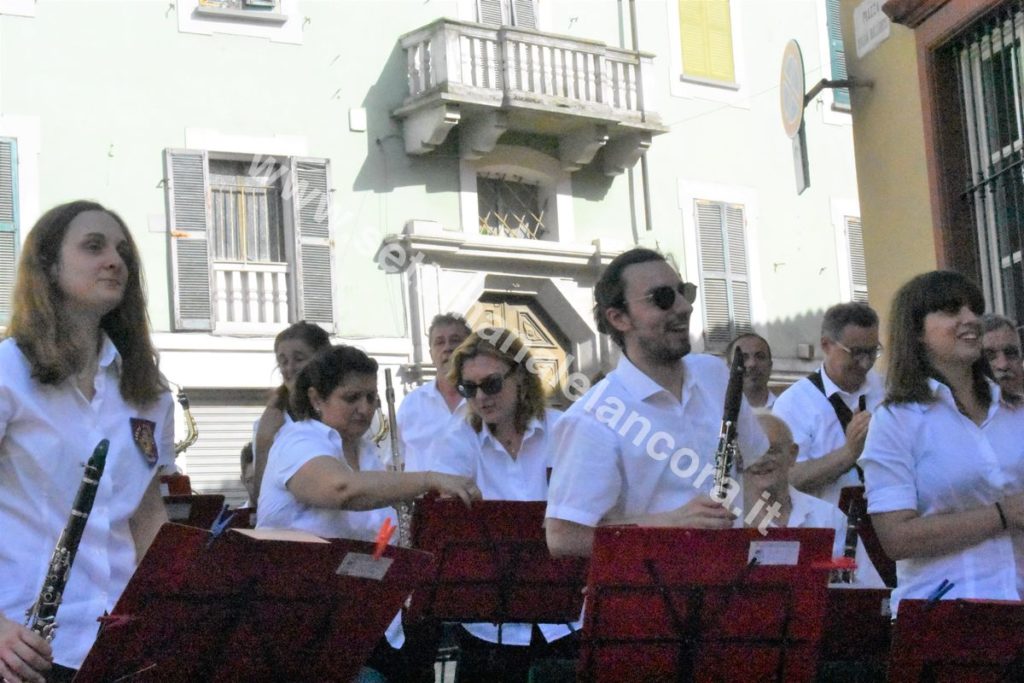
{"x": 424, "y": 412}
{"x": 829, "y": 410}
{"x": 638, "y": 448}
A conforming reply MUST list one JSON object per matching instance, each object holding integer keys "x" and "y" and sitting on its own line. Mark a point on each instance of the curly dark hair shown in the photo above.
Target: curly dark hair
{"x": 610, "y": 290}
{"x": 325, "y": 372}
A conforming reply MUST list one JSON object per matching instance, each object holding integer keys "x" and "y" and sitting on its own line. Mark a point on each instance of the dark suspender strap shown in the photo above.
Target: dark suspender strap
{"x": 842, "y": 411}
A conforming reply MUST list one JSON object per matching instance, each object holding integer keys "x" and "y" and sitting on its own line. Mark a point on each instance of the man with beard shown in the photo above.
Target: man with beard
{"x": 829, "y": 410}
{"x": 425, "y": 411}
{"x": 757, "y": 368}
{"x": 638, "y": 448}
{"x": 1001, "y": 345}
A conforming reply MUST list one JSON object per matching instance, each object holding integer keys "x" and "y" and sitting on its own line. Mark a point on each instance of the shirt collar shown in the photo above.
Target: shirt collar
{"x": 943, "y": 393}
{"x": 534, "y": 425}
{"x": 642, "y": 387}
{"x": 801, "y": 510}
{"x": 108, "y": 354}
{"x": 833, "y": 388}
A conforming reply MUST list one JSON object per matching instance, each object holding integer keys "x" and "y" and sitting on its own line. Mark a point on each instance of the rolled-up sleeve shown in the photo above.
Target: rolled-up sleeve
{"x": 888, "y": 461}
{"x": 586, "y": 480}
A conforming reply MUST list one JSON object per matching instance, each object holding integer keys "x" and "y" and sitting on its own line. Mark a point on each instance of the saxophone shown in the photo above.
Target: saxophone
{"x": 43, "y": 614}
{"x": 403, "y": 508}
{"x": 191, "y": 430}
{"x": 725, "y": 454}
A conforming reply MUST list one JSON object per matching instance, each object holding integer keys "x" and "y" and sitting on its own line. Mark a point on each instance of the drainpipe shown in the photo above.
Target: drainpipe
{"x": 645, "y": 180}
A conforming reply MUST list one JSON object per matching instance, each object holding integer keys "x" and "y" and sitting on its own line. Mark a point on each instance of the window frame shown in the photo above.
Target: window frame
{"x": 737, "y": 93}
{"x": 842, "y": 211}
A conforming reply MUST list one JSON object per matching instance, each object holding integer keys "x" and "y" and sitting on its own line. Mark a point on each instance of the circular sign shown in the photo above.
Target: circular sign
{"x": 791, "y": 88}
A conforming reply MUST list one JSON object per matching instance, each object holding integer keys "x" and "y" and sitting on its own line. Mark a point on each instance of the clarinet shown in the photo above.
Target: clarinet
{"x": 725, "y": 454}
{"x": 403, "y": 508}
{"x": 43, "y": 614}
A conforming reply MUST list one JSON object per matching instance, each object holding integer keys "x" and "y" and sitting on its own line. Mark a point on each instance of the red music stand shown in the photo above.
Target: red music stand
{"x": 858, "y": 628}
{"x": 688, "y": 605}
{"x": 493, "y": 564}
{"x": 966, "y": 641}
{"x": 247, "y": 609}
{"x": 196, "y": 510}
{"x": 854, "y": 496}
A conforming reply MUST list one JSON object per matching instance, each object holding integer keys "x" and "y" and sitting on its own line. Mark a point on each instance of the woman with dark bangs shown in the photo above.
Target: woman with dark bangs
{"x": 944, "y": 461}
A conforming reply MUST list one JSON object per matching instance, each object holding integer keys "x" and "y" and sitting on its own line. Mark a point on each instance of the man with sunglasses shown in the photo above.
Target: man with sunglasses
{"x": 830, "y": 409}
{"x": 638, "y": 448}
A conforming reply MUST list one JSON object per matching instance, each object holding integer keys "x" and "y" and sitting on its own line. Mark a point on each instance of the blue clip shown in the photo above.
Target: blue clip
{"x": 943, "y": 588}
{"x": 220, "y": 524}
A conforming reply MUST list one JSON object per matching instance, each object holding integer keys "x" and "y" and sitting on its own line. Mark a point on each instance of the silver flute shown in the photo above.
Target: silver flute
{"x": 403, "y": 508}
{"x": 42, "y": 616}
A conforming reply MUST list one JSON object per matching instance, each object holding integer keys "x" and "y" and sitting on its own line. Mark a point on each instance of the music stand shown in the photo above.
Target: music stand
{"x": 493, "y": 564}
{"x": 196, "y": 510}
{"x": 249, "y": 609}
{"x": 958, "y": 640}
{"x": 854, "y": 495}
{"x": 858, "y": 629}
{"x": 688, "y": 605}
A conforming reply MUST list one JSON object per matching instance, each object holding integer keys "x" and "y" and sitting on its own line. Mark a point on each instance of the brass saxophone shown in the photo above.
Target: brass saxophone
{"x": 725, "y": 454}
{"x": 191, "y": 429}
{"x": 42, "y": 615}
{"x": 403, "y": 508}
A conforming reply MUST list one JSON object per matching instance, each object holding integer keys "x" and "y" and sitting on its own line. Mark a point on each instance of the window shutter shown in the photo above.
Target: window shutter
{"x": 858, "y": 270}
{"x": 8, "y": 223}
{"x": 841, "y": 96}
{"x": 188, "y": 215}
{"x": 489, "y": 12}
{"x": 705, "y": 32}
{"x": 525, "y": 14}
{"x": 313, "y": 245}
{"x": 723, "y": 262}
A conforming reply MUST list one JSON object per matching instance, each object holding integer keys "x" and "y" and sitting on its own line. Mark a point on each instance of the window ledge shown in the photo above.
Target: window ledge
{"x": 255, "y": 16}
{"x": 722, "y": 85}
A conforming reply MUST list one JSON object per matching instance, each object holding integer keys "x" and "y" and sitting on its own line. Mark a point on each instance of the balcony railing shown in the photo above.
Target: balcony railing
{"x": 250, "y": 297}
{"x": 487, "y": 80}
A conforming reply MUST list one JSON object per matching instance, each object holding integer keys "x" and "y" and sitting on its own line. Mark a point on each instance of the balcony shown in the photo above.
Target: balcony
{"x": 250, "y": 298}
{"x": 486, "y": 81}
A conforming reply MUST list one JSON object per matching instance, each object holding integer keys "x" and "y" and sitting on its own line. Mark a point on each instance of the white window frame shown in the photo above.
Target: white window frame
{"x": 736, "y": 94}
{"x": 688, "y": 194}
{"x": 26, "y": 130}
{"x": 532, "y": 166}
{"x": 841, "y": 209}
{"x": 466, "y": 11}
{"x": 281, "y": 26}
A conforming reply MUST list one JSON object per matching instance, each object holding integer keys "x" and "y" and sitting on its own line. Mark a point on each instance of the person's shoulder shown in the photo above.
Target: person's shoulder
{"x": 797, "y": 391}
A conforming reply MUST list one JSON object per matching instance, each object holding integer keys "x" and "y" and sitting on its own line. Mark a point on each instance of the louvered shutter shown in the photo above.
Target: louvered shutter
{"x": 8, "y": 223}
{"x": 841, "y": 96}
{"x": 524, "y": 13}
{"x": 489, "y": 12}
{"x": 723, "y": 263}
{"x": 313, "y": 245}
{"x": 858, "y": 271}
{"x": 188, "y": 218}
{"x": 705, "y": 33}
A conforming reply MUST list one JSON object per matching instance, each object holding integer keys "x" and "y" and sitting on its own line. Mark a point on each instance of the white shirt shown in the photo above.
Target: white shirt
{"x": 628, "y": 447}
{"x": 932, "y": 459}
{"x": 814, "y": 424}
{"x": 421, "y": 417}
{"x": 813, "y": 513}
{"x": 464, "y": 452}
{"x": 47, "y": 433}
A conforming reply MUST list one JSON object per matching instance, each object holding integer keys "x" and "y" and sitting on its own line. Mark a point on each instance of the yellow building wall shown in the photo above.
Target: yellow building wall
{"x": 889, "y": 149}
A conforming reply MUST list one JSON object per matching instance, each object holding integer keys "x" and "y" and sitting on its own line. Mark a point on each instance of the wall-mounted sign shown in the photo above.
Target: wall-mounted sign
{"x": 791, "y": 88}
{"x": 870, "y": 26}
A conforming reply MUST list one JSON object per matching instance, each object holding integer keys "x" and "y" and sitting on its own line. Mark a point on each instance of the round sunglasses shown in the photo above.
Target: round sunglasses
{"x": 490, "y": 385}
{"x": 664, "y": 297}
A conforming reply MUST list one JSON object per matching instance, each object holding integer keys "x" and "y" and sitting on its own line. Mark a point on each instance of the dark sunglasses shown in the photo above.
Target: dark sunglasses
{"x": 490, "y": 385}
{"x": 664, "y": 297}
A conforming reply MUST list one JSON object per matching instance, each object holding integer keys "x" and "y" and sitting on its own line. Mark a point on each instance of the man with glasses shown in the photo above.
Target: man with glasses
{"x": 829, "y": 410}
{"x": 1001, "y": 345}
{"x": 425, "y": 411}
{"x": 638, "y": 448}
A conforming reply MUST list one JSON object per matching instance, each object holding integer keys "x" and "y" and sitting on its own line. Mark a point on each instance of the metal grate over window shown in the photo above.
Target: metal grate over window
{"x": 989, "y": 71}
{"x": 510, "y": 207}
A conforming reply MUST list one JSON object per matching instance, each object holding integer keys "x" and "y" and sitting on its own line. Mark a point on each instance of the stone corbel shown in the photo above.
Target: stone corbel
{"x": 478, "y": 135}
{"x": 623, "y": 152}
{"x": 577, "y": 148}
{"x": 427, "y": 128}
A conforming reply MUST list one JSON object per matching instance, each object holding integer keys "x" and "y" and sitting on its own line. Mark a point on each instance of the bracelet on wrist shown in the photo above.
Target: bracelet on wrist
{"x": 1002, "y": 516}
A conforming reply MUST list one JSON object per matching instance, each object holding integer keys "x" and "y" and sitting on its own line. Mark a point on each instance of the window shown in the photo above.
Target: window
{"x": 841, "y": 96}
{"x": 510, "y": 207}
{"x": 9, "y": 242}
{"x": 988, "y": 62}
{"x": 855, "y": 246}
{"x": 725, "y": 287}
{"x": 244, "y": 10}
{"x": 250, "y": 242}
{"x": 521, "y": 13}
{"x": 705, "y": 35}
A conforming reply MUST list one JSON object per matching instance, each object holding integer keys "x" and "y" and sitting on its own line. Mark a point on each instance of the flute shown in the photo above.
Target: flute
{"x": 725, "y": 454}
{"x": 403, "y": 508}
